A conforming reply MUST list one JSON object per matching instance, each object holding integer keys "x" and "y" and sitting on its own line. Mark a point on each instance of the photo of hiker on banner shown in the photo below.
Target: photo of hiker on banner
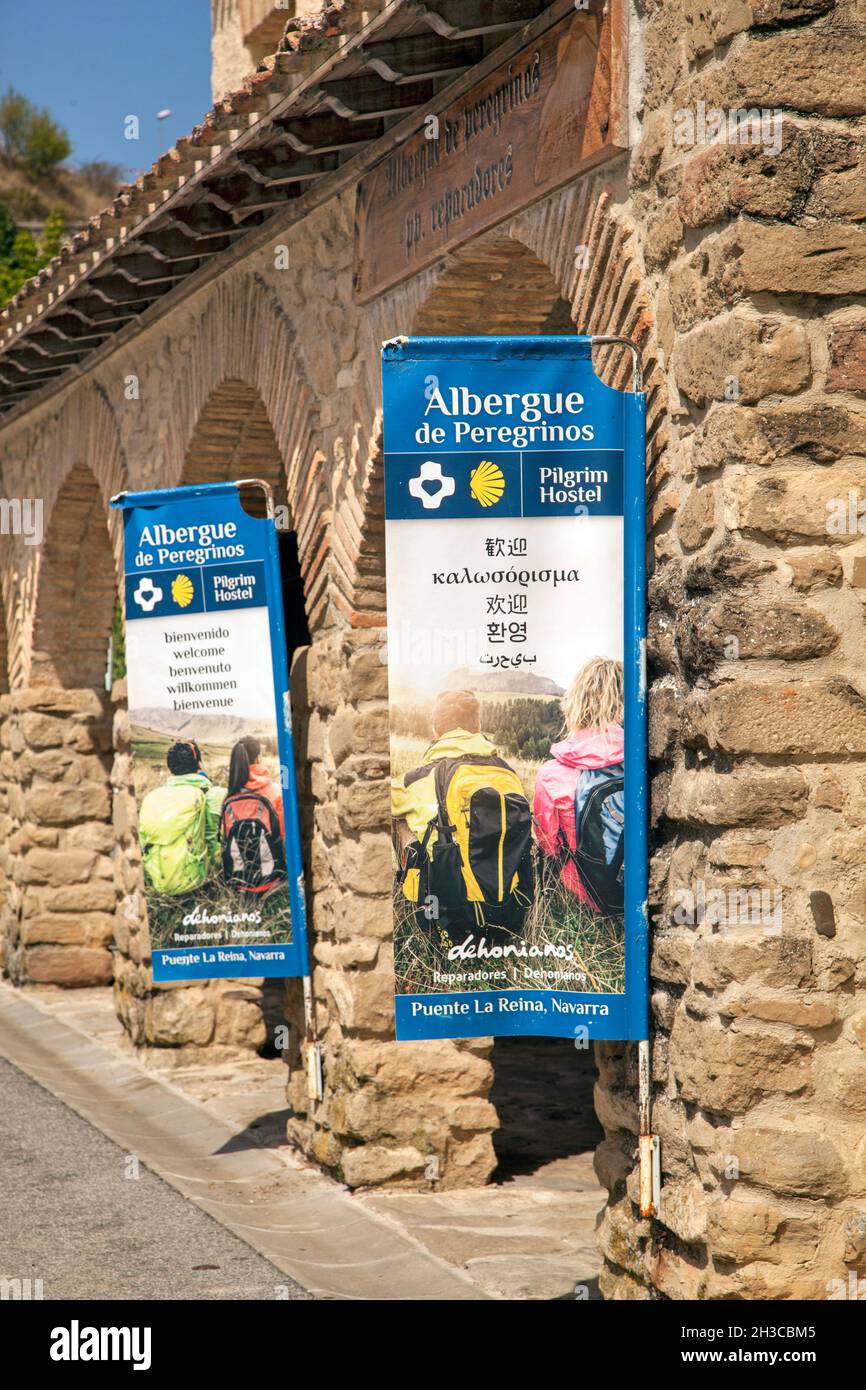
{"x": 210, "y": 827}
{"x": 508, "y": 834}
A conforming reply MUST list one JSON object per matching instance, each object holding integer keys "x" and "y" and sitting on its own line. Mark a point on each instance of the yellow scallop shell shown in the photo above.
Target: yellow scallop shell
{"x": 487, "y": 483}
{"x": 182, "y": 591}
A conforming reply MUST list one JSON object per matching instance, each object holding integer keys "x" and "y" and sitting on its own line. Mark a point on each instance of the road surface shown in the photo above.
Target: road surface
{"x": 71, "y": 1216}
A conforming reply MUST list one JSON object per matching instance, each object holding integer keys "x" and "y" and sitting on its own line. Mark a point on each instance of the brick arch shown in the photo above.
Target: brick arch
{"x": 497, "y": 286}
{"x": 593, "y": 254}
{"x": 233, "y": 438}
{"x": 524, "y": 277}
{"x": 243, "y": 397}
{"x": 77, "y": 588}
{"x": 60, "y": 639}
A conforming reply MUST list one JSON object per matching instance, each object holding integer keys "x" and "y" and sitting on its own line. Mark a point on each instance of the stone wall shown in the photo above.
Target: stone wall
{"x": 740, "y": 272}
{"x": 56, "y": 840}
{"x": 757, "y": 266}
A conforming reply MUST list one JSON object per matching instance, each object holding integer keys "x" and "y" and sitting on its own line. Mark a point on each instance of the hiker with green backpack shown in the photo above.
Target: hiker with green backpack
{"x": 178, "y": 824}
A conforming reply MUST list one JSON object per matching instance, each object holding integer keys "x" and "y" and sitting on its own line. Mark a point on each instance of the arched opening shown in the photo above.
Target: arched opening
{"x": 66, "y": 923}
{"x": 543, "y": 1087}
{"x": 495, "y": 286}
{"x": 77, "y": 590}
{"x": 233, "y": 439}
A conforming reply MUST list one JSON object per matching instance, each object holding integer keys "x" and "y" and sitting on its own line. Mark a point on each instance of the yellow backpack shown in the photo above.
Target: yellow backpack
{"x": 476, "y": 855}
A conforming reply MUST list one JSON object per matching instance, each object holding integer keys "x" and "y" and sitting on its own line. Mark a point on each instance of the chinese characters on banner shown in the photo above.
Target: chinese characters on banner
{"x": 514, "y": 498}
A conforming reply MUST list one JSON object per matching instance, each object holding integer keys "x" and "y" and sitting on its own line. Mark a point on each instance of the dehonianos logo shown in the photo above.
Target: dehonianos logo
{"x": 77, "y": 1343}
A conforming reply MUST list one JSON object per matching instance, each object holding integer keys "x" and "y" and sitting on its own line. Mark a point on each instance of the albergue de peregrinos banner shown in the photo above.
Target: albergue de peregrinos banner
{"x": 211, "y": 737}
{"x": 514, "y": 499}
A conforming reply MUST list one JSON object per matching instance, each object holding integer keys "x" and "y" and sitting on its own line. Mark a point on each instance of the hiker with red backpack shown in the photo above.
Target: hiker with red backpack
{"x": 579, "y": 794}
{"x": 252, "y": 828}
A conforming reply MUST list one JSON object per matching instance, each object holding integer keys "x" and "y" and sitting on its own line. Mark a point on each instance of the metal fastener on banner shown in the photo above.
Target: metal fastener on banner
{"x": 608, "y": 340}
{"x": 649, "y": 1145}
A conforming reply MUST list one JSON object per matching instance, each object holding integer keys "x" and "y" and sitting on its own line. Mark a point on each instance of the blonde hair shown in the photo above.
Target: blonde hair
{"x": 595, "y": 698}
{"x": 456, "y": 709}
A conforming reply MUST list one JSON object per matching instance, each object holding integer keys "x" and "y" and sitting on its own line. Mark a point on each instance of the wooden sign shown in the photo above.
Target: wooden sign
{"x": 552, "y": 110}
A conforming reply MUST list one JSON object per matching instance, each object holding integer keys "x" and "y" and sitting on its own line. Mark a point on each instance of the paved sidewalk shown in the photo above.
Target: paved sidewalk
{"x": 216, "y": 1131}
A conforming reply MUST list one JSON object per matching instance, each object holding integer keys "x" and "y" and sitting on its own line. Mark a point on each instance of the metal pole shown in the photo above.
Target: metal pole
{"x": 649, "y": 1150}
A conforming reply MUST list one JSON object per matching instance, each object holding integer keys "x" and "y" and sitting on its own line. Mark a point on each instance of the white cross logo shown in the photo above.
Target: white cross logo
{"x": 431, "y": 472}
{"x": 147, "y": 595}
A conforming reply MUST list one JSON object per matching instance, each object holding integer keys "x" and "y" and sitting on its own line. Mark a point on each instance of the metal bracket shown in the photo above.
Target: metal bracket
{"x": 607, "y": 340}
{"x": 649, "y": 1143}
{"x": 650, "y": 1176}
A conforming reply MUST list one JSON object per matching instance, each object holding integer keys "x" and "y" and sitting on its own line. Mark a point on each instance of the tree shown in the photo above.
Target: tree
{"x": 52, "y": 237}
{"x": 30, "y": 135}
{"x": 21, "y": 256}
{"x": 7, "y": 231}
{"x": 47, "y": 144}
{"x": 15, "y": 115}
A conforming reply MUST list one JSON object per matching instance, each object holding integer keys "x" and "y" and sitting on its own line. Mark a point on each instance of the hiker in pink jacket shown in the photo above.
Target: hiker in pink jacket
{"x": 593, "y": 726}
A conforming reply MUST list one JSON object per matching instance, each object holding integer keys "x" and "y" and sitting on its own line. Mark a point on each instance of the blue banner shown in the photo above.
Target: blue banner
{"x": 211, "y": 736}
{"x": 516, "y": 689}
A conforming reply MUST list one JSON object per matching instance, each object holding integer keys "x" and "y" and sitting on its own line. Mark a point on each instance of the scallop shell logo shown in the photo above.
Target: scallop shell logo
{"x": 182, "y": 591}
{"x": 487, "y": 483}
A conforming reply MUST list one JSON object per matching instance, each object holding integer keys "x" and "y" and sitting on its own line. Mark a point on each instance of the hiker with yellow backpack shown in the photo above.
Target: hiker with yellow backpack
{"x": 463, "y": 831}
{"x": 178, "y": 824}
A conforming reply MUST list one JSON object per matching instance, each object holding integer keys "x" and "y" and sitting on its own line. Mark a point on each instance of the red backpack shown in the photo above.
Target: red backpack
{"x": 253, "y": 856}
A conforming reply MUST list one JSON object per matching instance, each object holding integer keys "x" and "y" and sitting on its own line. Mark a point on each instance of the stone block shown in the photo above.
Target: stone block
{"x": 179, "y": 1016}
{"x": 729, "y": 1069}
{"x": 847, "y": 343}
{"x": 56, "y": 867}
{"x": 791, "y": 1160}
{"x": 369, "y": 1165}
{"x": 63, "y": 805}
{"x": 744, "y": 796}
{"x": 804, "y": 718}
{"x": 72, "y": 966}
{"x": 751, "y": 356}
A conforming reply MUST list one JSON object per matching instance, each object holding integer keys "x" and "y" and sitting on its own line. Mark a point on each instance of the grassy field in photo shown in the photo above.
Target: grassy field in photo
{"x": 165, "y": 915}
{"x": 556, "y": 918}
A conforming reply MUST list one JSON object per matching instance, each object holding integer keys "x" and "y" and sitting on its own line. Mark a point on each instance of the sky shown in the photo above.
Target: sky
{"x": 94, "y": 62}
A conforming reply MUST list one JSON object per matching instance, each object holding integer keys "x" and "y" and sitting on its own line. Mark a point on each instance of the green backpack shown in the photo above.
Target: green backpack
{"x": 171, "y": 831}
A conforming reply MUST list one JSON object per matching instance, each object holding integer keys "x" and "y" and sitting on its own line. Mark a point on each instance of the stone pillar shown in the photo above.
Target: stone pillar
{"x": 57, "y": 841}
{"x": 405, "y": 1114}
{"x": 758, "y": 695}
